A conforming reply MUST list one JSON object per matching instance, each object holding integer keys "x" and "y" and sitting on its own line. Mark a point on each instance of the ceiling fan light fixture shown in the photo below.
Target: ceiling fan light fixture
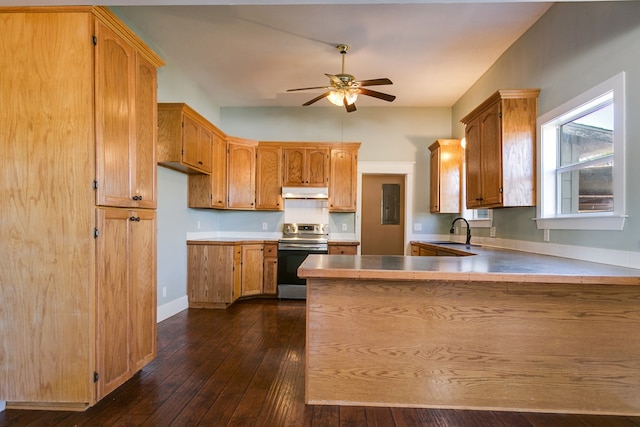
{"x": 336, "y": 97}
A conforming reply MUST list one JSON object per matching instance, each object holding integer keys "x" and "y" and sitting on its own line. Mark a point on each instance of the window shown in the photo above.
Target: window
{"x": 581, "y": 146}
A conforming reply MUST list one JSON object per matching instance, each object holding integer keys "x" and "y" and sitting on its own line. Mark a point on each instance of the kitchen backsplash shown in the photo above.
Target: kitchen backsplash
{"x": 309, "y": 211}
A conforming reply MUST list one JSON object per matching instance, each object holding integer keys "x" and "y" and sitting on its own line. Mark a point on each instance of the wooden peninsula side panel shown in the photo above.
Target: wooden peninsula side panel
{"x": 543, "y": 347}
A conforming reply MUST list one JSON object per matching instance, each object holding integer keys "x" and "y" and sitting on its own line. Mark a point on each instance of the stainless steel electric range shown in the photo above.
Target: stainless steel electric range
{"x": 297, "y": 242}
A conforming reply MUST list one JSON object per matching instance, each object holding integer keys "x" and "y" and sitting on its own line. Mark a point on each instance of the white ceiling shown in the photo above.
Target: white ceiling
{"x": 250, "y": 54}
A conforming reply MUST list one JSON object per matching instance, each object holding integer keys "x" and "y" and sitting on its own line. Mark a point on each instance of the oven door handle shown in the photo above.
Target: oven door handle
{"x": 302, "y": 247}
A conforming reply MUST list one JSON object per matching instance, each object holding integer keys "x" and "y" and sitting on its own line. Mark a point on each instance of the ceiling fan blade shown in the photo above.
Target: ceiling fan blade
{"x": 317, "y": 98}
{"x": 375, "y": 82}
{"x": 350, "y": 107}
{"x": 307, "y": 88}
{"x": 375, "y": 94}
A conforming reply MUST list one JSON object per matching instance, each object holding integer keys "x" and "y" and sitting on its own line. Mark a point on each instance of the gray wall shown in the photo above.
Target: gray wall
{"x": 572, "y": 48}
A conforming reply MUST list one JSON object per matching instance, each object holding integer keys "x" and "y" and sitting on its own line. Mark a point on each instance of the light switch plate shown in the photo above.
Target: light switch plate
{"x": 417, "y": 227}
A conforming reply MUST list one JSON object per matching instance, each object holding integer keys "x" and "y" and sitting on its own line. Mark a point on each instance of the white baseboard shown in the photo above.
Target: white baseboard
{"x": 172, "y": 307}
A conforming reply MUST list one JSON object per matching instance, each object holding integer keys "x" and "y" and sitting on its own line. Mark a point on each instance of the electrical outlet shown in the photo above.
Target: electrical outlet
{"x": 492, "y": 232}
{"x": 164, "y": 292}
{"x": 417, "y": 227}
{"x": 198, "y": 225}
{"x": 344, "y": 227}
{"x": 264, "y": 226}
{"x": 546, "y": 234}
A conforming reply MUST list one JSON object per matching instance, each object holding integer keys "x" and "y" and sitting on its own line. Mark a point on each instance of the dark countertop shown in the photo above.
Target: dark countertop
{"x": 249, "y": 240}
{"x": 486, "y": 265}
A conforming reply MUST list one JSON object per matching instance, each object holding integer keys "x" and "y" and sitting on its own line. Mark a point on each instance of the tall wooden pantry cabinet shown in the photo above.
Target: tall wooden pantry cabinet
{"x": 78, "y": 198}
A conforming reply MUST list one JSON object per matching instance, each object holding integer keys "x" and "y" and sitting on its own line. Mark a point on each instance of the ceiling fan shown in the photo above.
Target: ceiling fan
{"x": 344, "y": 88}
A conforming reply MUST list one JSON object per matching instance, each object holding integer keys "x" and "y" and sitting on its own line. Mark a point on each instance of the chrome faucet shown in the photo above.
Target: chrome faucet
{"x": 452, "y": 229}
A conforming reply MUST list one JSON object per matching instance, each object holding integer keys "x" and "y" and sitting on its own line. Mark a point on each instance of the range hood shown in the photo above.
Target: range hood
{"x": 321, "y": 193}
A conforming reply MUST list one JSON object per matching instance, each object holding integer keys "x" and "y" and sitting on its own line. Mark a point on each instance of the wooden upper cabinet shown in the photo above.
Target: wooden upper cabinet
{"x": 500, "y": 150}
{"x": 306, "y": 166}
{"x": 446, "y": 157}
{"x": 196, "y": 144}
{"x": 126, "y": 123}
{"x": 210, "y": 191}
{"x": 219, "y": 171}
{"x": 269, "y": 177}
{"x": 185, "y": 139}
{"x": 342, "y": 183}
{"x": 241, "y": 173}
{"x": 144, "y": 185}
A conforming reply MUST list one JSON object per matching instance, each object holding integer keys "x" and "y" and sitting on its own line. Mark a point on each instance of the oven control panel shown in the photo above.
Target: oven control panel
{"x": 294, "y": 229}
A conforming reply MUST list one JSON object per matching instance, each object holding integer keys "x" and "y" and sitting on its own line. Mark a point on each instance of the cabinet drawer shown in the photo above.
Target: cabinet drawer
{"x": 270, "y": 250}
{"x": 343, "y": 249}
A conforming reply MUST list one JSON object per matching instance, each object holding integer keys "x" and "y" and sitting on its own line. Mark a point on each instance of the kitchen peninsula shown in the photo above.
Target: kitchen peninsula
{"x": 498, "y": 330}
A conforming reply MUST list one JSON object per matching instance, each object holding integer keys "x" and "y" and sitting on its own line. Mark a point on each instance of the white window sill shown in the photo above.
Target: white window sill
{"x": 609, "y": 222}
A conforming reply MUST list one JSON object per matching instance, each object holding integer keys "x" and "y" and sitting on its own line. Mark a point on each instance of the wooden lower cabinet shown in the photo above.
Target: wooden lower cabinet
{"x": 427, "y": 249}
{"x": 252, "y": 269}
{"x": 126, "y": 295}
{"x": 210, "y": 282}
{"x": 270, "y": 273}
{"x": 221, "y": 272}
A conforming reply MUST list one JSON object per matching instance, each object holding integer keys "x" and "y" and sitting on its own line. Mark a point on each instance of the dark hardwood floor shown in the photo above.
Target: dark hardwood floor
{"x": 244, "y": 366}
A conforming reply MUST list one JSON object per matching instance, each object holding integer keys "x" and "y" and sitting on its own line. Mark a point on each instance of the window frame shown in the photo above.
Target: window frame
{"x": 547, "y": 214}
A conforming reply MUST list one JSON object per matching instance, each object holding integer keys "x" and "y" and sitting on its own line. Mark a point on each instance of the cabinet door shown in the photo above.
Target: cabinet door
{"x": 270, "y": 283}
{"x": 210, "y": 191}
{"x": 342, "y": 190}
{"x": 427, "y": 252}
{"x": 126, "y": 295}
{"x": 252, "y": 269}
{"x": 210, "y": 275}
{"x": 237, "y": 272}
{"x": 473, "y": 162}
{"x": 317, "y": 166}
{"x": 144, "y": 185}
{"x": 113, "y": 299}
{"x": 241, "y": 170}
{"x": 142, "y": 288}
{"x": 434, "y": 180}
{"x": 114, "y": 95}
{"x": 445, "y": 176}
{"x": 269, "y": 178}
{"x": 190, "y": 142}
{"x": 491, "y": 156}
{"x": 219, "y": 172}
{"x": 205, "y": 142}
{"x": 294, "y": 166}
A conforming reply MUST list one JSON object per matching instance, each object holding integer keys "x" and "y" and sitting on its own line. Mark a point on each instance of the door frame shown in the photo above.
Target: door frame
{"x": 388, "y": 168}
